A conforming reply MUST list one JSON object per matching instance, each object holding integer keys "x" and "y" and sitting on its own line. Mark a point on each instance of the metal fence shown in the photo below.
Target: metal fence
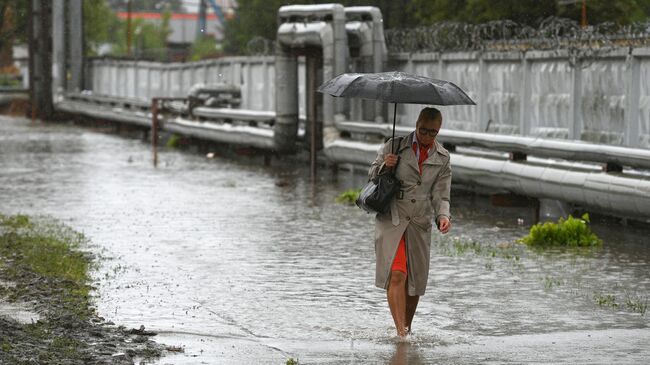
{"x": 144, "y": 80}
{"x": 550, "y": 93}
{"x": 541, "y": 93}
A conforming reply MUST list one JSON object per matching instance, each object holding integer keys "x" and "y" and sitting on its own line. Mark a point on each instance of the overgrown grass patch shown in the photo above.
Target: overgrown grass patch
{"x": 50, "y": 270}
{"x": 49, "y": 251}
{"x": 509, "y": 253}
{"x": 570, "y": 232}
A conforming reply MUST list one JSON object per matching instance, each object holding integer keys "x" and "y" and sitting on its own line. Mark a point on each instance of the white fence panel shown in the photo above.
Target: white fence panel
{"x": 538, "y": 93}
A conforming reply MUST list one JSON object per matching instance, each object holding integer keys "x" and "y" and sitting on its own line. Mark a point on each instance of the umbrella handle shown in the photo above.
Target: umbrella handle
{"x": 392, "y": 142}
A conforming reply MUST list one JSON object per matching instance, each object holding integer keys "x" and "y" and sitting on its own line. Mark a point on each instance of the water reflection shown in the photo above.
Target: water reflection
{"x": 405, "y": 354}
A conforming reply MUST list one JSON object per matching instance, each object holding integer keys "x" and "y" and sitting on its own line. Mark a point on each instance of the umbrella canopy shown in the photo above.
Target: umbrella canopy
{"x": 396, "y": 87}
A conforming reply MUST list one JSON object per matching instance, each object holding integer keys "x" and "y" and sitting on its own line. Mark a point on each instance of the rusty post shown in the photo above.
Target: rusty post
{"x": 311, "y": 123}
{"x": 154, "y": 130}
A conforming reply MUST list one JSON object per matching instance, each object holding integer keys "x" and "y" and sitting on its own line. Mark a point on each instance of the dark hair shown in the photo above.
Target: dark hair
{"x": 429, "y": 113}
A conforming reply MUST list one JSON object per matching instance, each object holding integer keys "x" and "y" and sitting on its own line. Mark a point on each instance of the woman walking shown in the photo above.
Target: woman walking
{"x": 403, "y": 235}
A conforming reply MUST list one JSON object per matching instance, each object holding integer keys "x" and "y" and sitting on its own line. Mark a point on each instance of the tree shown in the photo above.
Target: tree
{"x": 599, "y": 11}
{"x": 258, "y": 17}
{"x": 13, "y": 28}
{"x": 100, "y": 24}
{"x": 254, "y": 18}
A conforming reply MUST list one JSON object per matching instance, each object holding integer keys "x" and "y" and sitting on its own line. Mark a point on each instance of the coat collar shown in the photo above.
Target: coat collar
{"x": 408, "y": 140}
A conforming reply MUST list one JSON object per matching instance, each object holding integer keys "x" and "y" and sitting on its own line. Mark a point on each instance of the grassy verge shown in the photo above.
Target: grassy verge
{"x": 44, "y": 263}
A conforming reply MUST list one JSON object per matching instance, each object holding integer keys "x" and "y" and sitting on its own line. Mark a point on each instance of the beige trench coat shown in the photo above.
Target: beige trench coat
{"x": 411, "y": 212}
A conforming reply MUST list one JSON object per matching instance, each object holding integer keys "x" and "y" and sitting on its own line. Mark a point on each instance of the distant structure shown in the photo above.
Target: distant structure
{"x": 183, "y": 25}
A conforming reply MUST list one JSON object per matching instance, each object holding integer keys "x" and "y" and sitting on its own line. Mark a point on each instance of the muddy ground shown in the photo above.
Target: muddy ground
{"x": 46, "y": 313}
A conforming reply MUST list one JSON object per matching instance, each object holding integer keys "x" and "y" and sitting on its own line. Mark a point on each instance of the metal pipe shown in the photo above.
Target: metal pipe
{"x": 223, "y": 132}
{"x": 286, "y": 100}
{"x": 379, "y": 50}
{"x": 117, "y": 114}
{"x": 613, "y": 194}
{"x": 319, "y": 26}
{"x": 235, "y": 114}
{"x": 569, "y": 150}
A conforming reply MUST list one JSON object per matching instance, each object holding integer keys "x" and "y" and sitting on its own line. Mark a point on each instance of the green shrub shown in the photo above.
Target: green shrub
{"x": 349, "y": 196}
{"x": 173, "y": 142}
{"x": 205, "y": 47}
{"x": 570, "y": 232}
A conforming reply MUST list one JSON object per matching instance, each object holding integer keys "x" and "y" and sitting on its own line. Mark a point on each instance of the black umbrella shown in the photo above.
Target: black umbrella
{"x": 396, "y": 87}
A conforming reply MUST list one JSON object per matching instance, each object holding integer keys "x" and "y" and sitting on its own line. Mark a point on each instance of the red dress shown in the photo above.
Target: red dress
{"x": 400, "y": 261}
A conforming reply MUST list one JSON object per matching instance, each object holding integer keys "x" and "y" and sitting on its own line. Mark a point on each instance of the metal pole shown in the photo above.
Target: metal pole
{"x": 128, "y": 27}
{"x": 76, "y": 45}
{"x": 58, "y": 47}
{"x": 154, "y": 130}
{"x": 632, "y": 101}
{"x": 575, "y": 126}
{"x": 311, "y": 110}
{"x": 200, "y": 30}
{"x": 32, "y": 11}
{"x": 525, "y": 91}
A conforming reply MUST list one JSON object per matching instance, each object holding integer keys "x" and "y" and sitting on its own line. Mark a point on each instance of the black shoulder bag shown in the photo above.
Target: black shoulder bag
{"x": 375, "y": 197}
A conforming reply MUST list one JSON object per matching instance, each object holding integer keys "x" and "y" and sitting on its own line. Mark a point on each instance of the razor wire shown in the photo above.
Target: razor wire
{"x": 260, "y": 46}
{"x": 582, "y": 44}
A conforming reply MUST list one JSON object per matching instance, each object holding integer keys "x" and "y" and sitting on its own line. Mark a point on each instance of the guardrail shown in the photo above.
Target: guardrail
{"x": 519, "y": 146}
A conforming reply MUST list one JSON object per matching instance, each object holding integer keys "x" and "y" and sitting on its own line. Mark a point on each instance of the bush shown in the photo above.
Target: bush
{"x": 570, "y": 232}
{"x": 205, "y": 47}
{"x": 349, "y": 196}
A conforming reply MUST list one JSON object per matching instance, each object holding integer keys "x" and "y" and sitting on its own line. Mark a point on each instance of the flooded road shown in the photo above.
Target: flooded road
{"x": 241, "y": 263}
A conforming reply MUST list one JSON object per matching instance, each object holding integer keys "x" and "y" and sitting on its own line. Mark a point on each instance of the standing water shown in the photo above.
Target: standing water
{"x": 240, "y": 263}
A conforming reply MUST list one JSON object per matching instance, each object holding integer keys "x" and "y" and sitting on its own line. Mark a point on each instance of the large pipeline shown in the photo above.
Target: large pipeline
{"x": 609, "y": 193}
{"x": 301, "y": 27}
{"x": 367, "y": 25}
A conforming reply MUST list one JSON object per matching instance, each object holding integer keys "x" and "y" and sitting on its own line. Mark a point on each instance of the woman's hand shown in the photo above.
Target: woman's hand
{"x": 390, "y": 160}
{"x": 444, "y": 224}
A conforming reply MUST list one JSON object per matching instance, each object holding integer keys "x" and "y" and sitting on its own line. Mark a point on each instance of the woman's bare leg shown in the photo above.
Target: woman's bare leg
{"x": 397, "y": 301}
{"x": 411, "y": 306}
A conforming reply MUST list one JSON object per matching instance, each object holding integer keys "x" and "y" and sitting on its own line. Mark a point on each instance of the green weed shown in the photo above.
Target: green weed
{"x": 15, "y": 222}
{"x": 605, "y": 300}
{"x": 349, "y": 196}
{"x": 570, "y": 232}
{"x": 636, "y": 303}
{"x": 173, "y": 141}
{"x": 550, "y": 282}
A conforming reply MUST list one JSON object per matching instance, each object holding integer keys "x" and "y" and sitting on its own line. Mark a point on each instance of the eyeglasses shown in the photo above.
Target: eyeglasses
{"x": 428, "y": 131}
